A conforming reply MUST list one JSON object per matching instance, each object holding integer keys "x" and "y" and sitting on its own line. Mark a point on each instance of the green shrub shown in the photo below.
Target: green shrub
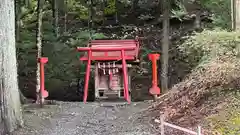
{"x": 202, "y": 47}
{"x": 221, "y": 10}
{"x": 216, "y": 56}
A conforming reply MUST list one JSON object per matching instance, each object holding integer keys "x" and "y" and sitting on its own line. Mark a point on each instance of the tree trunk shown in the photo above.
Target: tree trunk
{"x": 17, "y": 18}
{"x": 116, "y": 12}
{"x": 23, "y": 99}
{"x": 26, "y": 2}
{"x": 39, "y": 47}
{"x": 55, "y": 12}
{"x": 197, "y": 22}
{"x": 159, "y": 8}
{"x": 90, "y": 23}
{"x": 235, "y": 6}
{"x": 65, "y": 15}
{"x": 233, "y": 13}
{"x": 134, "y": 5}
{"x": 10, "y": 111}
{"x": 103, "y": 4}
{"x": 165, "y": 45}
{"x": 236, "y": 15}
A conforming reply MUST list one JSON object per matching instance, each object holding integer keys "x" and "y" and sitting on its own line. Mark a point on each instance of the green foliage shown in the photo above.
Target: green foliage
{"x": 179, "y": 11}
{"x": 221, "y": 10}
{"x": 216, "y": 54}
{"x": 110, "y": 8}
{"x": 79, "y": 8}
{"x": 63, "y": 67}
{"x": 81, "y": 38}
{"x": 204, "y": 46}
{"x": 126, "y": 3}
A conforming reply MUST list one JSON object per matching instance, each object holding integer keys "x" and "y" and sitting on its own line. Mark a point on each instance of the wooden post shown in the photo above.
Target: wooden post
{"x": 162, "y": 125}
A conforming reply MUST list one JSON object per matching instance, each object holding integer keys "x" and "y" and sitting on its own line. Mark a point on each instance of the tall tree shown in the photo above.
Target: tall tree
{"x": 10, "y": 110}
{"x": 65, "y": 15}
{"x": 62, "y": 12}
{"x": 235, "y": 15}
{"x": 55, "y": 11}
{"x": 39, "y": 46}
{"x": 134, "y": 7}
{"x": 235, "y": 6}
{"x": 17, "y": 18}
{"x": 165, "y": 44}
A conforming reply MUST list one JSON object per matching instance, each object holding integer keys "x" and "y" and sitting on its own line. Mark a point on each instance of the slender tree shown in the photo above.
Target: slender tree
{"x": 165, "y": 44}
{"x": 39, "y": 46}
{"x": 134, "y": 5}
{"x": 235, "y": 6}
{"x": 235, "y": 15}
{"x": 55, "y": 11}
{"x": 10, "y": 110}
{"x": 17, "y": 18}
{"x": 65, "y": 15}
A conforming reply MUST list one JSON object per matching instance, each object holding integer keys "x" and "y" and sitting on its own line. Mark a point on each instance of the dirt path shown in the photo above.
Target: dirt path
{"x": 85, "y": 119}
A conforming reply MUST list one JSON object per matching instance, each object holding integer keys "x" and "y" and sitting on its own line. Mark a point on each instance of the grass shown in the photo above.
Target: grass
{"x": 227, "y": 121}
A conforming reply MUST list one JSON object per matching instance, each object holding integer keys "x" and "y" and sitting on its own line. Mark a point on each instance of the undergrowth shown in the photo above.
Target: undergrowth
{"x": 208, "y": 45}
{"x": 222, "y": 48}
{"x": 216, "y": 54}
{"x": 227, "y": 121}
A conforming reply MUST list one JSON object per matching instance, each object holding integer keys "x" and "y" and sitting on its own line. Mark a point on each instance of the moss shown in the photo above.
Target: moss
{"x": 227, "y": 121}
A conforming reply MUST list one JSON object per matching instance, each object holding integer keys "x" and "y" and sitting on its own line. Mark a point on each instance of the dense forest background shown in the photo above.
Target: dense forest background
{"x": 67, "y": 24}
{"x": 203, "y": 70}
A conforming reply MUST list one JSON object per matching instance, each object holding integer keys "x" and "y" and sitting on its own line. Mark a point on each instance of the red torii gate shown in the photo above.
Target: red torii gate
{"x": 110, "y": 50}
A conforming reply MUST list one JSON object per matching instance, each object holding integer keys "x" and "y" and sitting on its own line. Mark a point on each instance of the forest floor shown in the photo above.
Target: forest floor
{"x": 77, "y": 118}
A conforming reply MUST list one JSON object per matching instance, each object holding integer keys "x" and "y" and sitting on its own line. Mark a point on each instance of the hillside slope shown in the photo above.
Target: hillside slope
{"x": 210, "y": 90}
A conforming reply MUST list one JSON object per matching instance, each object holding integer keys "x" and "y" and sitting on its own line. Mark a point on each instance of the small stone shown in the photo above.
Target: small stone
{"x": 157, "y": 121}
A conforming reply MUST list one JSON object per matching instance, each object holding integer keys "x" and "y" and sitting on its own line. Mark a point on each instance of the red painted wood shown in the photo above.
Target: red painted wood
{"x": 87, "y": 76}
{"x": 104, "y": 58}
{"x": 110, "y": 50}
{"x": 154, "y": 90}
{"x": 43, "y": 92}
